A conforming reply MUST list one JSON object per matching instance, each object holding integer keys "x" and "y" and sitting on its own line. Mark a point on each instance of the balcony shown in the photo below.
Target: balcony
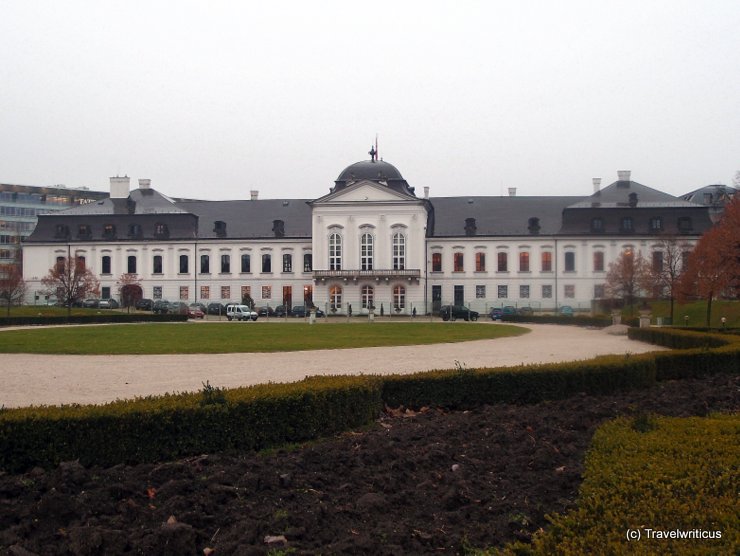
{"x": 408, "y": 274}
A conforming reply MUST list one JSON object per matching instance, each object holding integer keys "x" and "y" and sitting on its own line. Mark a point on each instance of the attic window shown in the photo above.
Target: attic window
{"x": 685, "y": 225}
{"x": 597, "y": 225}
{"x": 61, "y": 231}
{"x": 84, "y": 231}
{"x": 134, "y": 230}
{"x": 633, "y": 200}
{"x": 161, "y": 230}
{"x": 470, "y": 227}
{"x": 534, "y": 225}
{"x": 109, "y": 231}
{"x": 219, "y": 228}
{"x": 278, "y": 228}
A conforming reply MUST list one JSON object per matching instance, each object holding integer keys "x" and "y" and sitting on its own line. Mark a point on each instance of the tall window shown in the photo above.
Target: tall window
{"x": 131, "y": 264}
{"x": 105, "y": 266}
{"x": 366, "y": 251}
{"x": 480, "y": 262}
{"x": 157, "y": 264}
{"x": 367, "y": 297}
{"x": 335, "y": 252}
{"x": 436, "y": 262}
{"x": 246, "y": 263}
{"x": 657, "y": 261}
{"x": 546, "y": 261}
{"x": 399, "y": 251}
{"x": 225, "y": 264}
{"x": 399, "y": 298}
{"x": 307, "y": 262}
{"x": 458, "y": 262}
{"x": 598, "y": 261}
{"x": 524, "y": 261}
{"x": 335, "y": 298}
{"x": 503, "y": 261}
{"x": 266, "y": 263}
{"x": 287, "y": 262}
{"x": 184, "y": 264}
{"x": 570, "y": 261}
{"x": 205, "y": 264}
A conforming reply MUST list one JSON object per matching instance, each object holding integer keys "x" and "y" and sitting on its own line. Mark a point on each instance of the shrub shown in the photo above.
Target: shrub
{"x": 90, "y": 319}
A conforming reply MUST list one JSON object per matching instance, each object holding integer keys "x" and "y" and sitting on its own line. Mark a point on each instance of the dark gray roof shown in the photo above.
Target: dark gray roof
{"x": 139, "y": 201}
{"x": 497, "y": 216}
{"x": 618, "y": 193}
{"x": 251, "y": 219}
{"x": 378, "y": 171}
{"x": 710, "y": 195}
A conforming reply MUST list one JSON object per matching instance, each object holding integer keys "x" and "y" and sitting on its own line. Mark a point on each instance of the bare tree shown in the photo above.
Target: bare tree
{"x": 12, "y": 285}
{"x": 627, "y": 277}
{"x": 129, "y": 288}
{"x": 666, "y": 268}
{"x": 71, "y": 281}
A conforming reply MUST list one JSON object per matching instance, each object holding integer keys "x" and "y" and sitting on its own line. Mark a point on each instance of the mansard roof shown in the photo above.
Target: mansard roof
{"x": 139, "y": 201}
{"x": 618, "y": 194}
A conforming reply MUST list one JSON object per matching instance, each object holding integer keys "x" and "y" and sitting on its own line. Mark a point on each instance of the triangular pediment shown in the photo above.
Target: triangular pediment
{"x": 362, "y": 192}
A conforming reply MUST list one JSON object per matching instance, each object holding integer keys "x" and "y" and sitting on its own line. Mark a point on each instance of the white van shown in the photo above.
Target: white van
{"x": 240, "y": 312}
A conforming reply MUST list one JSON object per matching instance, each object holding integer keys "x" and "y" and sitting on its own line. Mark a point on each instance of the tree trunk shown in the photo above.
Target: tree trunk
{"x": 709, "y": 309}
{"x": 671, "y": 309}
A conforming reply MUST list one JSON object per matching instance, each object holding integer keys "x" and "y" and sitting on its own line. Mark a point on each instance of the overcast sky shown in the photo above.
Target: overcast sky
{"x": 213, "y": 98}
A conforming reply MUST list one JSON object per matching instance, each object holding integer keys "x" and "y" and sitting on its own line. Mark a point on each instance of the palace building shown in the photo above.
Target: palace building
{"x": 371, "y": 241}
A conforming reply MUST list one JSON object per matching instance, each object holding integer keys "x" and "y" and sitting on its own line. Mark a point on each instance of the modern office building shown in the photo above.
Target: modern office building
{"x": 370, "y": 241}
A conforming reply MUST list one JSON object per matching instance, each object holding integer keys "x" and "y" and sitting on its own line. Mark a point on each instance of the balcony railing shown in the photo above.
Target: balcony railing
{"x": 354, "y": 274}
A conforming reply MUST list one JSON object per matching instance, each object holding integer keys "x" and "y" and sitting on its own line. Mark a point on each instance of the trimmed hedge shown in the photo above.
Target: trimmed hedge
{"x": 576, "y": 320}
{"x": 171, "y": 426}
{"x": 91, "y": 319}
{"x": 673, "y": 475}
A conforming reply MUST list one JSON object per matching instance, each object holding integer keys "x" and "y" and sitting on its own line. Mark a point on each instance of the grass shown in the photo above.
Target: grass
{"x": 171, "y": 338}
{"x": 697, "y": 312}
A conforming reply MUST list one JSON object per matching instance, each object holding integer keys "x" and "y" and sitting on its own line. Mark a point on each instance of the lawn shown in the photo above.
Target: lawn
{"x": 225, "y": 337}
{"x": 697, "y": 312}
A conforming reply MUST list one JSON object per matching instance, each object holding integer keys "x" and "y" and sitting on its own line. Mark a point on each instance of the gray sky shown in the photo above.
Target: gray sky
{"x": 212, "y": 99}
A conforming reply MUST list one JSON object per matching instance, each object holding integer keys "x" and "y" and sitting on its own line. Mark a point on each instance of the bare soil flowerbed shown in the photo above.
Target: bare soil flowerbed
{"x": 412, "y": 483}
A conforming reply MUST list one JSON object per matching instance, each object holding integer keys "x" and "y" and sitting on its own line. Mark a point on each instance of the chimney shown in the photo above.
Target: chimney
{"x": 145, "y": 184}
{"x": 632, "y": 200}
{"x": 624, "y": 175}
{"x": 119, "y": 187}
{"x": 470, "y": 227}
{"x": 426, "y": 191}
{"x": 597, "y": 184}
{"x": 512, "y": 192}
{"x": 253, "y": 194}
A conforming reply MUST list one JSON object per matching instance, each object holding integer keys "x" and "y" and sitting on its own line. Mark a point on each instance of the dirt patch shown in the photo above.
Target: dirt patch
{"x": 410, "y": 484}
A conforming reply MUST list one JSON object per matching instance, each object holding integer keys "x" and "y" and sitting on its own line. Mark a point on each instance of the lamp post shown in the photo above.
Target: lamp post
{"x": 686, "y": 320}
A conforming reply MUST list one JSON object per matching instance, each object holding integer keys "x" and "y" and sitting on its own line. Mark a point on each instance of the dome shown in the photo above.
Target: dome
{"x": 374, "y": 170}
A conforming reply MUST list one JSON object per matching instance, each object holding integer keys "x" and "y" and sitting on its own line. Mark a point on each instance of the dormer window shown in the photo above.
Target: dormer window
{"x": 278, "y": 228}
{"x": 685, "y": 225}
{"x": 470, "y": 227}
{"x": 109, "y": 231}
{"x": 219, "y": 228}
{"x": 84, "y": 231}
{"x": 656, "y": 224}
{"x": 626, "y": 225}
{"x": 61, "y": 231}
{"x": 161, "y": 230}
{"x": 597, "y": 225}
{"x": 134, "y": 230}
{"x": 534, "y": 226}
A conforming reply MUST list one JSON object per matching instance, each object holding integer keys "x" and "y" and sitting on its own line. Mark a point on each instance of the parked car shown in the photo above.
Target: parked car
{"x": 91, "y": 303}
{"x": 144, "y": 305}
{"x": 161, "y": 307}
{"x": 566, "y": 311}
{"x": 281, "y": 311}
{"x": 108, "y": 304}
{"x": 454, "y": 312}
{"x": 178, "y": 308}
{"x": 195, "y": 312}
{"x": 266, "y": 312}
{"x": 509, "y": 310}
{"x": 496, "y": 313}
{"x": 525, "y": 311}
{"x": 216, "y": 309}
{"x": 200, "y": 306}
{"x": 301, "y": 311}
{"x": 240, "y": 312}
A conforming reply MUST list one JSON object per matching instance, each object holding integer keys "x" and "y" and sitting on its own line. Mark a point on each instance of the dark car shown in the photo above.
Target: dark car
{"x": 301, "y": 311}
{"x": 91, "y": 303}
{"x": 525, "y": 311}
{"x": 195, "y": 312}
{"x": 509, "y": 310}
{"x": 109, "y": 304}
{"x": 566, "y": 311}
{"x": 266, "y": 312}
{"x": 454, "y": 312}
{"x": 144, "y": 305}
{"x": 178, "y": 308}
{"x": 496, "y": 313}
{"x": 161, "y": 307}
{"x": 281, "y": 311}
{"x": 216, "y": 309}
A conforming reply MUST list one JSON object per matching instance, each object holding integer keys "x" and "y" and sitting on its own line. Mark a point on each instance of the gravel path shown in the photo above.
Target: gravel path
{"x": 63, "y": 379}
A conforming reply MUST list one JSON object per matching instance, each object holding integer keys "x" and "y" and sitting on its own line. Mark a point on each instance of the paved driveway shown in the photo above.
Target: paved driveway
{"x": 58, "y": 379}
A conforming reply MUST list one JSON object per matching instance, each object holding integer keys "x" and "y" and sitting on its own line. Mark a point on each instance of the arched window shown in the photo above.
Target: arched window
{"x": 131, "y": 264}
{"x": 105, "y": 265}
{"x": 524, "y": 261}
{"x": 458, "y": 264}
{"x": 335, "y": 252}
{"x": 366, "y": 251}
{"x": 335, "y": 298}
{"x": 503, "y": 261}
{"x": 157, "y": 264}
{"x": 368, "y": 297}
{"x": 598, "y": 261}
{"x": 399, "y": 298}
{"x": 205, "y": 264}
{"x": 399, "y": 251}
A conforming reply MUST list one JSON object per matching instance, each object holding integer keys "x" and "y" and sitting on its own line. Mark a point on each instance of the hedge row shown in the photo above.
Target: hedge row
{"x": 576, "y": 320}
{"x": 172, "y": 426}
{"x": 91, "y": 319}
{"x": 646, "y": 474}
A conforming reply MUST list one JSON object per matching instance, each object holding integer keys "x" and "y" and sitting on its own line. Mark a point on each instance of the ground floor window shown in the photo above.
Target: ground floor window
{"x": 105, "y": 292}
{"x": 205, "y": 292}
{"x": 599, "y": 291}
{"x": 225, "y": 292}
{"x": 368, "y": 297}
{"x": 266, "y": 292}
{"x": 503, "y": 292}
{"x": 157, "y": 292}
{"x": 569, "y": 291}
{"x": 184, "y": 293}
{"x": 335, "y": 298}
{"x": 308, "y": 295}
{"x": 480, "y": 292}
{"x": 524, "y": 292}
{"x": 399, "y": 298}
{"x": 547, "y": 292}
